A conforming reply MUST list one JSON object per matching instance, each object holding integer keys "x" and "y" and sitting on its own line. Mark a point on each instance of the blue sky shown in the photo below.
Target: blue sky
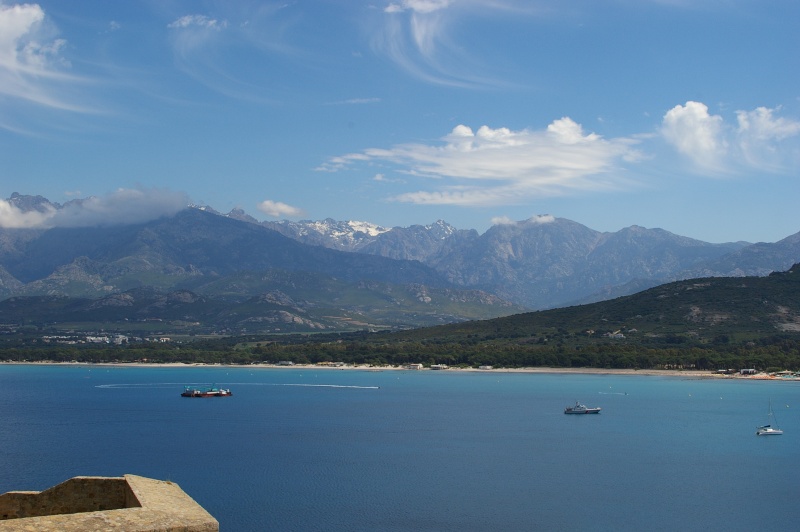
{"x": 678, "y": 114}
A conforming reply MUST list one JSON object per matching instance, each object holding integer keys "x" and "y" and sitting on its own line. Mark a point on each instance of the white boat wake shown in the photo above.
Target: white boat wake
{"x": 171, "y": 384}
{"x": 320, "y": 385}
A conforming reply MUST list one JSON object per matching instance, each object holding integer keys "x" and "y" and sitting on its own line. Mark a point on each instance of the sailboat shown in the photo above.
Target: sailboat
{"x": 769, "y": 430}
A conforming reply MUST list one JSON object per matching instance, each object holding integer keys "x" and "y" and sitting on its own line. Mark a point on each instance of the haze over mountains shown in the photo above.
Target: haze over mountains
{"x": 543, "y": 262}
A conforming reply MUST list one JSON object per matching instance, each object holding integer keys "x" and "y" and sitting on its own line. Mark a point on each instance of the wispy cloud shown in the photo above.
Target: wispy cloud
{"x": 198, "y": 21}
{"x": 380, "y": 178}
{"x": 418, "y": 6}
{"x": 210, "y": 48}
{"x": 766, "y": 141}
{"x": 501, "y": 166}
{"x": 357, "y": 101}
{"x": 191, "y": 33}
{"x": 760, "y": 140}
{"x": 123, "y": 206}
{"x": 32, "y": 66}
{"x": 417, "y": 36}
{"x": 277, "y": 209}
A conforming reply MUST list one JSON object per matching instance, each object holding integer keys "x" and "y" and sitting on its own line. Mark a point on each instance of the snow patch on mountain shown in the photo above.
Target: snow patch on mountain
{"x": 441, "y": 229}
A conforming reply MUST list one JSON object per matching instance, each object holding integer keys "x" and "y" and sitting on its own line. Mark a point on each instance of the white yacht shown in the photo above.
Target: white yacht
{"x": 769, "y": 430}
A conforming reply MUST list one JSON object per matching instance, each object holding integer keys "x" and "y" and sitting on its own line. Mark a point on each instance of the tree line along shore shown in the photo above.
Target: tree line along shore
{"x": 767, "y": 354}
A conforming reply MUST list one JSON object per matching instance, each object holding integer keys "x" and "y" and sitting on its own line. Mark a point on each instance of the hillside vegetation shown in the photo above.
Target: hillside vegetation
{"x": 708, "y": 323}
{"x": 283, "y": 302}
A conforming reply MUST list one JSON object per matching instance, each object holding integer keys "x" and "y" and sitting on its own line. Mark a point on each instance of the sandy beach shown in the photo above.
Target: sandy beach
{"x": 681, "y": 373}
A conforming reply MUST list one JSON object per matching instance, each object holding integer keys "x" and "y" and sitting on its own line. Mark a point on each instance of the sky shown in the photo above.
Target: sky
{"x": 675, "y": 114}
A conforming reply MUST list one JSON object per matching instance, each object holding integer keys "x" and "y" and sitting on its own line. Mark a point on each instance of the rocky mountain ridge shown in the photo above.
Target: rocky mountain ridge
{"x": 226, "y": 263}
{"x": 539, "y": 263}
{"x": 546, "y": 262}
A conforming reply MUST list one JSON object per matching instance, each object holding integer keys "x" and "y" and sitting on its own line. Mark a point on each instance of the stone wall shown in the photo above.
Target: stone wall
{"x": 130, "y": 504}
{"x": 79, "y": 494}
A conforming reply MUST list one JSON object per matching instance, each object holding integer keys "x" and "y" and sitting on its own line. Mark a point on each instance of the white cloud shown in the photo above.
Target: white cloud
{"x": 760, "y": 125}
{"x": 762, "y": 138}
{"x": 696, "y": 134}
{"x": 541, "y": 219}
{"x": 533, "y": 220}
{"x": 761, "y": 141}
{"x": 502, "y": 220}
{"x": 31, "y": 61}
{"x": 124, "y": 206}
{"x": 501, "y": 166}
{"x": 198, "y": 21}
{"x": 276, "y": 209}
{"x": 568, "y": 132}
{"x": 17, "y": 25}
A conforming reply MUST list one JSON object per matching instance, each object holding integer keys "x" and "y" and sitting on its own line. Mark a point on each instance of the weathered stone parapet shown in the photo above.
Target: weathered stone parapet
{"x": 130, "y": 503}
{"x": 79, "y": 494}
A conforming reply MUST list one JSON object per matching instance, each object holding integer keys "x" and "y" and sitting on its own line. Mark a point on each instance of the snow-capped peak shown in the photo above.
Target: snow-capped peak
{"x": 366, "y": 227}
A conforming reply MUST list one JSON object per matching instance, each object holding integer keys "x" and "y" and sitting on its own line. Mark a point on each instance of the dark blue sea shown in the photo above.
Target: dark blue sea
{"x": 345, "y": 450}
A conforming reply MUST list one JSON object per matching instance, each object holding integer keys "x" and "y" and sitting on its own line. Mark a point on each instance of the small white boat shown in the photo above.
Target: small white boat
{"x": 768, "y": 429}
{"x": 581, "y": 409}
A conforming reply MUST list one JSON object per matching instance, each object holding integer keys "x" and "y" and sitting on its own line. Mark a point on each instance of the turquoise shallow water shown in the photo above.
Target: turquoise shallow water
{"x": 301, "y": 449}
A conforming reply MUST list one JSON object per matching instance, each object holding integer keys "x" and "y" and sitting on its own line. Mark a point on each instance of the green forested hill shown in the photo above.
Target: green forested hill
{"x": 698, "y": 311}
{"x": 701, "y": 323}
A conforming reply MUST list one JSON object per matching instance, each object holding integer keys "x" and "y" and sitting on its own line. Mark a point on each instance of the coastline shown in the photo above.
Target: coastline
{"x": 682, "y": 373}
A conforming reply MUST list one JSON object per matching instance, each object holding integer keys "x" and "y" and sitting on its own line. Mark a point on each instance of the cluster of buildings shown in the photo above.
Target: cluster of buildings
{"x": 756, "y": 374}
{"x": 110, "y": 339}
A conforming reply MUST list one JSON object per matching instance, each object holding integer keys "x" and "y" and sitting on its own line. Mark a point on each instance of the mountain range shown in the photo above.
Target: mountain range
{"x": 444, "y": 273}
{"x": 547, "y": 262}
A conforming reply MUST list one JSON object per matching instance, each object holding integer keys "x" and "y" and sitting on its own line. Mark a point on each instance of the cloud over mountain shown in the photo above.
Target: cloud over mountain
{"x": 276, "y": 209}
{"x": 123, "y": 206}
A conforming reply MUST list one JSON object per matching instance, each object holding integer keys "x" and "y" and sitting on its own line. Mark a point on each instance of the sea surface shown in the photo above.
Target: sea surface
{"x": 347, "y": 450}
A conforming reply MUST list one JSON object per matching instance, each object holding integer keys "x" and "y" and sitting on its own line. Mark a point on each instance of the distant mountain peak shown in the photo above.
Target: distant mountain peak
{"x": 204, "y": 208}
{"x": 441, "y": 229}
{"x": 26, "y": 203}
{"x": 239, "y": 214}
